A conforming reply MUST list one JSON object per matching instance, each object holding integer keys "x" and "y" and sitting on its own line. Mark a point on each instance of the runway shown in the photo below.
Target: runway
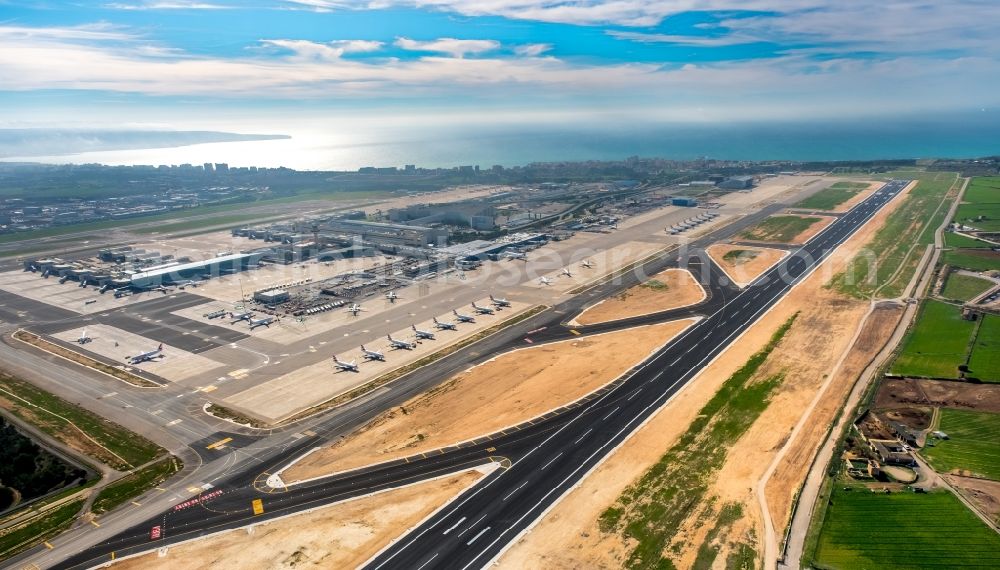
{"x": 541, "y": 461}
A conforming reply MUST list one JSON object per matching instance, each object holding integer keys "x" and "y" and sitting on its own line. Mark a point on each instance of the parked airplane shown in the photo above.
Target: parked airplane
{"x": 463, "y": 318}
{"x": 345, "y": 366}
{"x": 261, "y": 322}
{"x": 215, "y": 314}
{"x": 160, "y": 288}
{"x": 391, "y": 296}
{"x": 146, "y": 356}
{"x": 587, "y": 263}
{"x": 186, "y": 283}
{"x": 499, "y": 302}
{"x": 122, "y": 292}
{"x": 401, "y": 344}
{"x": 104, "y": 288}
{"x": 422, "y": 335}
{"x": 355, "y": 309}
{"x": 84, "y": 339}
{"x": 565, "y": 272}
{"x": 444, "y": 325}
{"x": 482, "y": 310}
{"x": 372, "y": 354}
{"x": 544, "y": 281}
{"x": 237, "y": 317}
{"x": 516, "y": 255}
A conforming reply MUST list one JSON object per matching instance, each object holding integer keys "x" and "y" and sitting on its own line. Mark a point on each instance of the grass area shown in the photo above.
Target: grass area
{"x": 78, "y": 428}
{"x": 937, "y": 344}
{"x": 135, "y": 484}
{"x": 984, "y": 363}
{"x": 890, "y": 258}
{"x": 973, "y": 443}
{"x": 232, "y": 219}
{"x": 964, "y": 287}
{"x": 972, "y": 259}
{"x": 656, "y": 285}
{"x": 738, "y": 256}
{"x": 904, "y": 530}
{"x": 831, "y": 197}
{"x": 779, "y": 228}
{"x": 650, "y": 511}
{"x": 953, "y": 240}
{"x": 20, "y": 538}
{"x": 981, "y": 204}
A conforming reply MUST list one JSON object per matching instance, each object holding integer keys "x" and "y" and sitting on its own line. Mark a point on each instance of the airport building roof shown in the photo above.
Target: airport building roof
{"x": 155, "y": 275}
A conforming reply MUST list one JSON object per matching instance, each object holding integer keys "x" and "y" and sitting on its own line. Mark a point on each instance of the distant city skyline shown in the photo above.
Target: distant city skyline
{"x": 294, "y": 65}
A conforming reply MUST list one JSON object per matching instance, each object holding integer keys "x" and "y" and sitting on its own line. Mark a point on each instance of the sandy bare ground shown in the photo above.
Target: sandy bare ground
{"x": 502, "y": 392}
{"x": 744, "y": 269}
{"x": 569, "y": 537}
{"x": 673, "y": 288}
{"x": 343, "y": 535}
{"x": 983, "y": 493}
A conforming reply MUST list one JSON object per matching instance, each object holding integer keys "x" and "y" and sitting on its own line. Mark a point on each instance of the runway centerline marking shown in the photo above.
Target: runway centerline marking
{"x": 454, "y": 526}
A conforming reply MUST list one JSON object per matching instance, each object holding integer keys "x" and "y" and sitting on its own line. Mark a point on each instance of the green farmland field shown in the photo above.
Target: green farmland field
{"x": 958, "y": 241}
{"x": 985, "y": 361}
{"x": 972, "y": 259}
{"x": 982, "y": 198}
{"x": 964, "y": 287}
{"x": 973, "y": 443}
{"x": 937, "y": 344}
{"x": 902, "y": 531}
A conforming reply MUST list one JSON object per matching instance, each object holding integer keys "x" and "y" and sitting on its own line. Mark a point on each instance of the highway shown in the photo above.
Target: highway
{"x": 539, "y": 462}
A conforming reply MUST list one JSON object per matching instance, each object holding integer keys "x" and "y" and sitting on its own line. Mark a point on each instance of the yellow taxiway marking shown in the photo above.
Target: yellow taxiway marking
{"x": 219, "y": 443}
{"x": 195, "y": 489}
{"x": 112, "y": 555}
{"x": 209, "y": 388}
{"x": 309, "y": 432}
{"x": 490, "y": 449}
{"x": 49, "y": 546}
{"x": 239, "y": 373}
{"x": 161, "y": 489}
{"x": 93, "y": 522}
{"x": 258, "y": 506}
{"x": 574, "y": 331}
{"x": 136, "y": 504}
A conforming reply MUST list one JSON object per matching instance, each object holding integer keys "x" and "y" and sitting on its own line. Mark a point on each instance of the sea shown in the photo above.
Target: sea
{"x": 967, "y": 135}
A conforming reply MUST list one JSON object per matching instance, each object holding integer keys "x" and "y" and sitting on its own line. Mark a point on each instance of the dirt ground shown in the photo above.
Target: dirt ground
{"x": 679, "y": 289}
{"x": 983, "y": 493}
{"x": 502, "y": 392}
{"x": 569, "y": 536}
{"x": 906, "y": 393}
{"x": 343, "y": 535}
{"x": 745, "y": 268}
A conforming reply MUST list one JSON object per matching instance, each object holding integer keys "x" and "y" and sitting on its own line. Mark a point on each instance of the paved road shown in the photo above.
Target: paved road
{"x": 542, "y": 461}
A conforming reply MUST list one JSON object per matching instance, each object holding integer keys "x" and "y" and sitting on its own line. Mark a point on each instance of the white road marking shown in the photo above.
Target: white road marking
{"x": 454, "y": 526}
{"x": 610, "y": 413}
{"x": 549, "y": 462}
{"x": 583, "y": 436}
{"x": 510, "y": 494}
{"x": 478, "y": 534}
{"x": 471, "y": 526}
{"x": 429, "y": 560}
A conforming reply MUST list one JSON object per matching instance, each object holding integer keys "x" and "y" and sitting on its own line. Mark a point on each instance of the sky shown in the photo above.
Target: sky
{"x": 279, "y": 65}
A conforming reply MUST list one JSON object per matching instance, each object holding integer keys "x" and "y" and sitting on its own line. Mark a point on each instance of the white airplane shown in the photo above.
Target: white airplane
{"x": 187, "y": 283}
{"x": 146, "y": 356}
{"x": 122, "y": 292}
{"x": 481, "y": 310}
{"x": 444, "y": 325}
{"x": 587, "y": 263}
{"x": 372, "y": 354}
{"x": 401, "y": 344}
{"x": 237, "y": 317}
{"x": 160, "y": 288}
{"x": 463, "y": 318}
{"x": 345, "y": 366}
{"x": 565, "y": 272}
{"x": 215, "y": 314}
{"x": 391, "y": 296}
{"x": 422, "y": 335}
{"x": 84, "y": 339}
{"x": 261, "y": 322}
{"x": 355, "y": 309}
{"x": 499, "y": 302}
{"x": 544, "y": 281}
{"x": 512, "y": 255}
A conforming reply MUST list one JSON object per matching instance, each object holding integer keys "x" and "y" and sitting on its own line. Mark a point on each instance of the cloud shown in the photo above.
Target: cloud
{"x": 532, "y": 50}
{"x": 304, "y": 49}
{"x": 167, "y": 5}
{"x": 703, "y": 41}
{"x": 450, "y": 46}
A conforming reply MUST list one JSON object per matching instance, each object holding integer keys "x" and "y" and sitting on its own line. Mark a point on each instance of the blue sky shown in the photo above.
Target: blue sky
{"x": 268, "y": 63}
